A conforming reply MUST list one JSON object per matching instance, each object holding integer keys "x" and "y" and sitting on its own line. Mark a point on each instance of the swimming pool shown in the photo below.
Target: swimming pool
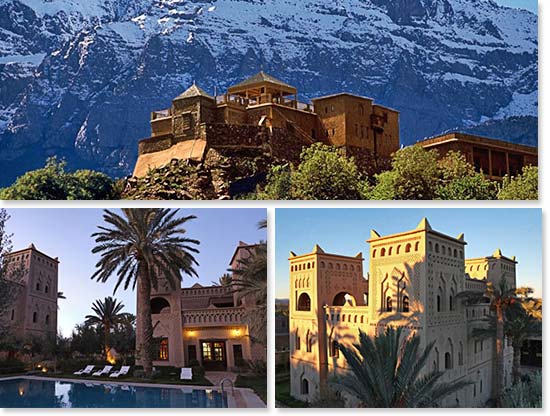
{"x": 45, "y": 393}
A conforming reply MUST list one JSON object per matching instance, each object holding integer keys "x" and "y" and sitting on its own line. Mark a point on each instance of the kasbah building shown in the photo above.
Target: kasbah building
{"x": 412, "y": 282}
{"x": 263, "y": 114}
{"x": 204, "y": 325}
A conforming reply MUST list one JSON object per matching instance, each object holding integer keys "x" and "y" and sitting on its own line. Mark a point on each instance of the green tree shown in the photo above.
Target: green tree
{"x": 123, "y": 337}
{"x": 279, "y": 184}
{"x": 107, "y": 314}
{"x": 250, "y": 283}
{"x": 527, "y": 393}
{"x": 53, "y": 182}
{"x": 87, "y": 340}
{"x": 523, "y": 186}
{"x": 325, "y": 174}
{"x": 386, "y": 371}
{"x": 139, "y": 246}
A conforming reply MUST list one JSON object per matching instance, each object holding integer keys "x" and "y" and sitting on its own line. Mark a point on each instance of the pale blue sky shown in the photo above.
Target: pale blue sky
{"x": 344, "y": 231}
{"x": 65, "y": 233}
{"x": 530, "y": 5}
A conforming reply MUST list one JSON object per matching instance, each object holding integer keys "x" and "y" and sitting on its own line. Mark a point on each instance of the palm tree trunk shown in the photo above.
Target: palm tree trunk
{"x": 499, "y": 354}
{"x": 516, "y": 363}
{"x": 144, "y": 347}
{"x": 106, "y": 331}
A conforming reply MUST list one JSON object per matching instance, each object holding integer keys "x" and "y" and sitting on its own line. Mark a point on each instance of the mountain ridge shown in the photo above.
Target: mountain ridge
{"x": 79, "y": 80}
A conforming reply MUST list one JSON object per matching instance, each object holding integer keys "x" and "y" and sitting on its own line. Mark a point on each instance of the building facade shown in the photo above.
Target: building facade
{"x": 35, "y": 281}
{"x": 413, "y": 281}
{"x": 203, "y": 325}
{"x": 261, "y": 112}
{"x": 495, "y": 158}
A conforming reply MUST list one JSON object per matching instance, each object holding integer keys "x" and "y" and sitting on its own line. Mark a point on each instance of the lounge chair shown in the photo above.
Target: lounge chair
{"x": 122, "y": 372}
{"x": 85, "y": 371}
{"x": 106, "y": 370}
{"x": 186, "y": 373}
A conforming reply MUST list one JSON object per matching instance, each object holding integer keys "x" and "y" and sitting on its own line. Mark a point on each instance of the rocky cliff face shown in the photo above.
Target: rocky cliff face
{"x": 78, "y": 79}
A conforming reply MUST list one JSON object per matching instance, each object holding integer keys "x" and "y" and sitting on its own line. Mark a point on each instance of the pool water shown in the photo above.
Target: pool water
{"x": 38, "y": 393}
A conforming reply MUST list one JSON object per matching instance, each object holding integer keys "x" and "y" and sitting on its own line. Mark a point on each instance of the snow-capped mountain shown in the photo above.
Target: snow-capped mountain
{"x": 78, "y": 78}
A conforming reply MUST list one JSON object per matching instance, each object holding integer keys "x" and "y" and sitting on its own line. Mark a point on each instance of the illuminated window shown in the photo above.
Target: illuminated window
{"x": 162, "y": 346}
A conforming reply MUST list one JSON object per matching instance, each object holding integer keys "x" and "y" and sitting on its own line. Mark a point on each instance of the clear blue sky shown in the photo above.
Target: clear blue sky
{"x": 344, "y": 231}
{"x": 530, "y": 5}
{"x": 65, "y": 233}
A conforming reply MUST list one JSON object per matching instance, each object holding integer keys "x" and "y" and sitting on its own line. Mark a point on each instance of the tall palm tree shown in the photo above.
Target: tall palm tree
{"x": 250, "y": 283}
{"x": 501, "y": 297}
{"x": 224, "y": 280}
{"x": 386, "y": 371}
{"x": 107, "y": 316}
{"x": 140, "y": 247}
{"x": 518, "y": 327}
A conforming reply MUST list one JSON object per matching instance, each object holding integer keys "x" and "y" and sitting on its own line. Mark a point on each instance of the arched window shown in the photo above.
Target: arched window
{"x": 448, "y": 361}
{"x": 12, "y": 314}
{"x": 430, "y": 246}
{"x": 304, "y": 303}
{"x": 443, "y": 250}
{"x": 389, "y": 251}
{"x": 398, "y": 249}
{"x": 416, "y": 245}
{"x": 374, "y": 253}
{"x": 297, "y": 345}
{"x": 382, "y": 252}
{"x": 159, "y": 305}
{"x": 405, "y": 304}
{"x": 455, "y": 255}
{"x": 342, "y": 298}
{"x": 47, "y": 319}
{"x": 34, "y": 316}
{"x": 334, "y": 350}
{"x": 352, "y": 268}
{"x": 38, "y": 286}
{"x": 355, "y": 319}
{"x": 305, "y": 386}
{"x": 438, "y": 303}
{"x": 436, "y": 248}
{"x": 388, "y": 304}
{"x": 322, "y": 265}
{"x": 345, "y": 266}
{"x": 330, "y": 266}
{"x": 46, "y": 289}
{"x": 309, "y": 342}
{"x": 408, "y": 248}
{"x": 451, "y": 306}
{"x": 309, "y": 266}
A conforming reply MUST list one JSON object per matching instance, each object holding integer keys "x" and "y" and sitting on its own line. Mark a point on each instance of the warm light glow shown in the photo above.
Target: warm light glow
{"x": 237, "y": 332}
{"x": 21, "y": 391}
{"x": 39, "y": 366}
{"x": 110, "y": 357}
{"x": 191, "y": 333}
{"x": 44, "y": 370}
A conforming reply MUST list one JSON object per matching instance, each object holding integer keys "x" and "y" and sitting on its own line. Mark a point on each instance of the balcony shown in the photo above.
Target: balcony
{"x": 213, "y": 317}
{"x": 155, "y": 115}
{"x": 239, "y": 101}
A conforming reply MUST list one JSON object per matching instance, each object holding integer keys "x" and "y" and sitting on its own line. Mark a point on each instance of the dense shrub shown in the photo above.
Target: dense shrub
{"x": 11, "y": 366}
{"x": 525, "y": 394}
{"x": 53, "y": 182}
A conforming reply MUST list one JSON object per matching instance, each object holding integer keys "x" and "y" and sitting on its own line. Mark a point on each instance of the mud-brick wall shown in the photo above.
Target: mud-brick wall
{"x": 220, "y": 135}
{"x": 287, "y": 145}
{"x": 155, "y": 144}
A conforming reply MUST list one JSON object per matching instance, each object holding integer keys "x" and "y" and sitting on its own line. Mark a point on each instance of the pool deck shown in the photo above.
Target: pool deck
{"x": 239, "y": 397}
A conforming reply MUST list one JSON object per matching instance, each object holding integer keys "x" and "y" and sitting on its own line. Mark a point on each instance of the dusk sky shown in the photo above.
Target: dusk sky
{"x": 65, "y": 233}
{"x": 344, "y": 231}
